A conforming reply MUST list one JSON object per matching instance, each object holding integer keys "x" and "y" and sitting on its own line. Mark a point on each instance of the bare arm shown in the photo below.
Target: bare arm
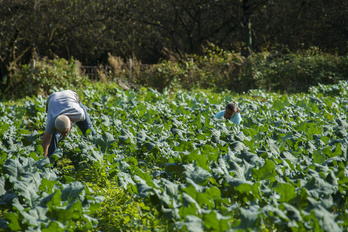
{"x": 46, "y": 142}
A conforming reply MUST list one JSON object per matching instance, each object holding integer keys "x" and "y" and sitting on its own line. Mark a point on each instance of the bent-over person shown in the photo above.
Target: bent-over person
{"x": 231, "y": 112}
{"x": 64, "y": 109}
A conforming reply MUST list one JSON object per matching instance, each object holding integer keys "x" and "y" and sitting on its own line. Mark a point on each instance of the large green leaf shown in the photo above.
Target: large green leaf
{"x": 249, "y": 217}
{"x": 54, "y": 226}
{"x": 14, "y": 221}
{"x": 198, "y": 174}
{"x": 287, "y": 191}
{"x": 215, "y": 221}
{"x": 266, "y": 172}
{"x": 191, "y": 223}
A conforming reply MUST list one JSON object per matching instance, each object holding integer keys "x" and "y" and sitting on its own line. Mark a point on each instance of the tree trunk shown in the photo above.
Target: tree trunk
{"x": 246, "y": 27}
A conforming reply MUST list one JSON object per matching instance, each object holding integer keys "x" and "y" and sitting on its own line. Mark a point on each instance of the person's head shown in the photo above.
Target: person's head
{"x": 63, "y": 124}
{"x": 230, "y": 110}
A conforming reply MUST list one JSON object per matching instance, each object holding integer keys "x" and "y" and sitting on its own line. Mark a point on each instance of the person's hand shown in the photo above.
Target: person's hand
{"x": 46, "y": 143}
{"x": 62, "y": 136}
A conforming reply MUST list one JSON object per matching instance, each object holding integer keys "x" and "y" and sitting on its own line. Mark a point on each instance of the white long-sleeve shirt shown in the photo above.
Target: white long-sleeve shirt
{"x": 236, "y": 118}
{"x": 63, "y": 103}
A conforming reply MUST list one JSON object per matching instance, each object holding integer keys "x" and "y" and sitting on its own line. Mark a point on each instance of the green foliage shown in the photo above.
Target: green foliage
{"x": 297, "y": 72}
{"x": 119, "y": 211}
{"x": 214, "y": 69}
{"x": 221, "y": 70}
{"x": 58, "y": 73}
{"x": 164, "y": 75}
{"x": 155, "y": 30}
{"x": 162, "y": 162}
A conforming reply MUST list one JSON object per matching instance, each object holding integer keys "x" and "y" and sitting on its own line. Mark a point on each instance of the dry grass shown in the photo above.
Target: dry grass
{"x": 116, "y": 64}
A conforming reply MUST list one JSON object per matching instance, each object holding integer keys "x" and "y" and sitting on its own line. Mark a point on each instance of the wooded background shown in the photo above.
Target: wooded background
{"x": 155, "y": 30}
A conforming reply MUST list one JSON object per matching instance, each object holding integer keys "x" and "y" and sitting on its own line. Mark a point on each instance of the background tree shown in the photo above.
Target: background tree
{"x": 150, "y": 30}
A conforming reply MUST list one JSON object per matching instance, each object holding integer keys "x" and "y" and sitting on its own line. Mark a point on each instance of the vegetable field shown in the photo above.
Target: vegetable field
{"x": 283, "y": 169}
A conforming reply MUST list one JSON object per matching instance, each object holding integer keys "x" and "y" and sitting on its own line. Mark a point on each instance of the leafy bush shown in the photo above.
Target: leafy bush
{"x": 214, "y": 69}
{"x": 295, "y": 73}
{"x": 163, "y": 75}
{"x": 59, "y": 73}
{"x": 219, "y": 69}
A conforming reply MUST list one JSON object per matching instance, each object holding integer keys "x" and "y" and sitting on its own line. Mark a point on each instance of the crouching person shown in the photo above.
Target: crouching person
{"x": 231, "y": 112}
{"x": 64, "y": 109}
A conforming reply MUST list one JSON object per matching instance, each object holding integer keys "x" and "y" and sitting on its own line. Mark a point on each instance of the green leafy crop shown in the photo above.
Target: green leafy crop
{"x": 161, "y": 162}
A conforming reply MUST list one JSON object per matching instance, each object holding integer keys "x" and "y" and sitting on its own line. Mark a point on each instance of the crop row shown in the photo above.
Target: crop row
{"x": 283, "y": 168}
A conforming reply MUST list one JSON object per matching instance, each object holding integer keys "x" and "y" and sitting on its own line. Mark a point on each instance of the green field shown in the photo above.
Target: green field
{"x": 160, "y": 162}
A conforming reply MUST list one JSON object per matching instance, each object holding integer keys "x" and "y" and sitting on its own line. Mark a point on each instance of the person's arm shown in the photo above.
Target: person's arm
{"x": 46, "y": 142}
{"x": 219, "y": 114}
{"x": 236, "y": 118}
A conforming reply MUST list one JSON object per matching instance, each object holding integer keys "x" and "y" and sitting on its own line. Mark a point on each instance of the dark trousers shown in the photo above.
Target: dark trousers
{"x": 83, "y": 125}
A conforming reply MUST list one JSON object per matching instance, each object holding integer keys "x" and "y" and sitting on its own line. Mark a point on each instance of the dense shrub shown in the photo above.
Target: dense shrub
{"x": 215, "y": 69}
{"x": 297, "y": 72}
{"x": 292, "y": 72}
{"x": 43, "y": 76}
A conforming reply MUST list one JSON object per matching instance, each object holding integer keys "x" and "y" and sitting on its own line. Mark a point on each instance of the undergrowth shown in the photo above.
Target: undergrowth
{"x": 119, "y": 211}
{"x": 216, "y": 69}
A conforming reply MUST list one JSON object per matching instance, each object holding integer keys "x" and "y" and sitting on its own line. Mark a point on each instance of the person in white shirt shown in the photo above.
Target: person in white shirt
{"x": 63, "y": 110}
{"x": 231, "y": 112}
